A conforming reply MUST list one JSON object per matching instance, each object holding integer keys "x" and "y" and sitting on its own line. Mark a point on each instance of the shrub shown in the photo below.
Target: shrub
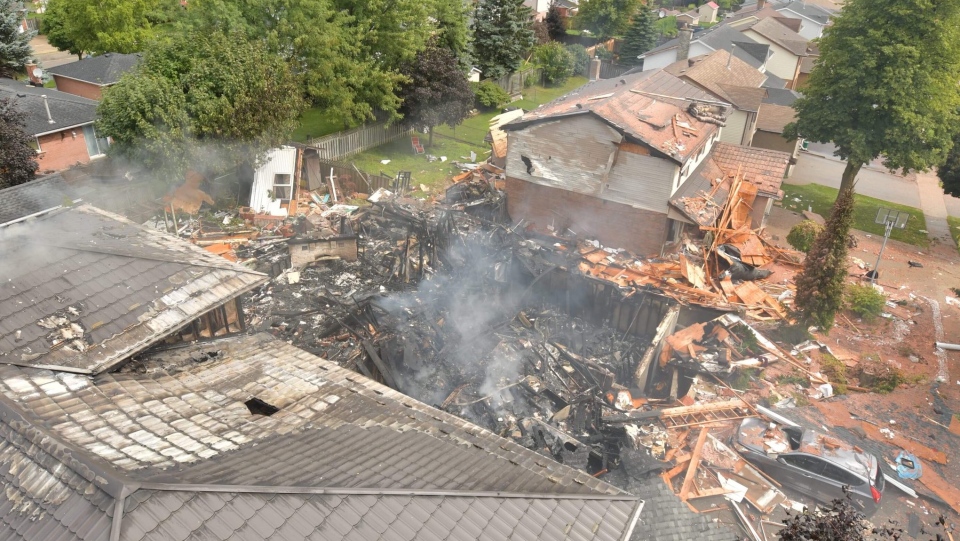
{"x": 603, "y": 53}
{"x": 879, "y": 377}
{"x": 581, "y": 59}
{"x": 491, "y": 96}
{"x": 835, "y": 371}
{"x": 555, "y": 61}
{"x": 803, "y": 234}
{"x": 865, "y": 301}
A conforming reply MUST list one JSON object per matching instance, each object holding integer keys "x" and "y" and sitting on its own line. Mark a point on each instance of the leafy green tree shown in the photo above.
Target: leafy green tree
{"x": 606, "y": 18}
{"x": 436, "y": 91}
{"x": 452, "y": 31}
{"x": 820, "y": 283}
{"x": 885, "y": 85}
{"x": 556, "y": 22}
{"x": 949, "y": 170}
{"x": 555, "y": 61}
{"x": 207, "y": 99}
{"x": 18, "y": 160}
{"x": 640, "y": 37}
{"x": 101, "y": 26}
{"x": 502, "y": 33}
{"x": 52, "y": 27}
{"x": 15, "y": 48}
{"x": 581, "y": 58}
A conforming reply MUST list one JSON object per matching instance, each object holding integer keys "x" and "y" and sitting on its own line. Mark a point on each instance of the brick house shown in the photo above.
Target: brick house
{"x": 61, "y": 125}
{"x": 606, "y": 160}
{"x": 88, "y": 77}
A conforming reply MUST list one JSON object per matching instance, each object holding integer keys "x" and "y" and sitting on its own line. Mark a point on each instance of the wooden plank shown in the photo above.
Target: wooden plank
{"x": 694, "y": 463}
{"x": 702, "y": 408}
{"x": 676, "y": 470}
{"x": 719, "y": 491}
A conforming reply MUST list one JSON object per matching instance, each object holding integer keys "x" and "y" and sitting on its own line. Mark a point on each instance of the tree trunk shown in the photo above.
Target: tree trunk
{"x": 430, "y": 139}
{"x": 849, "y": 177}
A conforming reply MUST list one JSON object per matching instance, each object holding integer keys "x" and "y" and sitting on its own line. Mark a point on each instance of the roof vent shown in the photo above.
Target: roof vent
{"x": 259, "y": 407}
{"x": 50, "y": 119}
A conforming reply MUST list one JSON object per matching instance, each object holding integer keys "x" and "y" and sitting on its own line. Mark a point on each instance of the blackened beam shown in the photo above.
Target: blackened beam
{"x": 381, "y": 366}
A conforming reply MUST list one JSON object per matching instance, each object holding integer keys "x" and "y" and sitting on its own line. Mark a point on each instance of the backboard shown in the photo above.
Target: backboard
{"x": 896, "y": 218}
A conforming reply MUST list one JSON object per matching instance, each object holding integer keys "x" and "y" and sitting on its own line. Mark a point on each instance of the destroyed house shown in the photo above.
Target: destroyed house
{"x": 250, "y": 438}
{"x": 606, "y": 160}
{"x": 85, "y": 289}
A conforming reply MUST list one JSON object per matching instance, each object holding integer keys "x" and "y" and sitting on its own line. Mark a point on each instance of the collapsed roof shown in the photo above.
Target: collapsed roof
{"x": 251, "y": 438}
{"x": 86, "y": 289}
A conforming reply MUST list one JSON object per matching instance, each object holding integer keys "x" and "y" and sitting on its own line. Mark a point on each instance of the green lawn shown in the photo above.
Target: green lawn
{"x": 470, "y": 136}
{"x": 821, "y": 198}
{"x": 315, "y": 123}
{"x": 954, "y": 224}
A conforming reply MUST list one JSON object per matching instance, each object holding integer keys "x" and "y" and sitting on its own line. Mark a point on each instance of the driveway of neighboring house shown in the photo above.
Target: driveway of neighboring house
{"x": 47, "y": 55}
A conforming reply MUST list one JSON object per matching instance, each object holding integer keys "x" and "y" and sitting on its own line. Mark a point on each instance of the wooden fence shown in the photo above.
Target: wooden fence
{"x": 609, "y": 70}
{"x": 516, "y": 82}
{"x": 349, "y": 178}
{"x": 350, "y": 142}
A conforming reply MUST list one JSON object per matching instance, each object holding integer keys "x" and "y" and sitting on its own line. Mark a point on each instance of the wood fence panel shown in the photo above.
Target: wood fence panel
{"x": 349, "y": 178}
{"x": 347, "y": 143}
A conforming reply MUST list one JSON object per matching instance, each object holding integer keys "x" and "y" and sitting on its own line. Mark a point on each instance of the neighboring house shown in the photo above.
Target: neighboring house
{"x": 691, "y": 18}
{"x": 814, "y": 18}
{"x": 109, "y": 430}
{"x": 787, "y": 48}
{"x": 806, "y": 68}
{"x": 708, "y": 12}
{"x": 720, "y": 37}
{"x": 568, "y": 8}
{"x": 60, "y": 124}
{"x": 769, "y": 134}
{"x": 605, "y": 160}
{"x": 276, "y": 183}
{"x": 88, "y": 77}
{"x": 730, "y": 80}
{"x": 539, "y": 8}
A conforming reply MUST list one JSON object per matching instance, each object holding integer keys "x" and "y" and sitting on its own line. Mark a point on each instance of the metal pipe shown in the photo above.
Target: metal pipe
{"x": 886, "y": 235}
{"x": 951, "y": 347}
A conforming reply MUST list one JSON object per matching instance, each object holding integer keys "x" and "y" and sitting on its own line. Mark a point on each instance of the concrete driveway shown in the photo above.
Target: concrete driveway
{"x": 815, "y": 169}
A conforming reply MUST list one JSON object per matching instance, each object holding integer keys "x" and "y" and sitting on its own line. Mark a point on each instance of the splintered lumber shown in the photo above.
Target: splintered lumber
{"x": 692, "y": 272}
{"x": 686, "y": 336}
{"x": 706, "y": 493}
{"x": 694, "y": 463}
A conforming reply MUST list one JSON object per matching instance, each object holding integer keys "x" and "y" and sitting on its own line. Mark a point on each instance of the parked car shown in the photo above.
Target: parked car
{"x": 811, "y": 463}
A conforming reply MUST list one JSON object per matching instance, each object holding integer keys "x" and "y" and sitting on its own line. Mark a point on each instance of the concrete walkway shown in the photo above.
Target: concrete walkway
{"x": 933, "y": 206}
{"x": 47, "y": 55}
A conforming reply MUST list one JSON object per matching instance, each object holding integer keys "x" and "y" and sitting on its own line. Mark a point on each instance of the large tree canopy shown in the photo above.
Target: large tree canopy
{"x": 201, "y": 100}
{"x": 436, "y": 91}
{"x": 949, "y": 170}
{"x": 100, "y": 26}
{"x": 606, "y": 18}
{"x": 885, "y": 84}
{"x": 15, "y": 48}
{"x": 502, "y": 33}
{"x": 18, "y": 160}
{"x": 640, "y": 37}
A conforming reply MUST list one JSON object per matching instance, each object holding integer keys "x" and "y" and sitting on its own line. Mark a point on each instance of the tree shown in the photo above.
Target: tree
{"x": 555, "y": 61}
{"x": 452, "y": 31}
{"x": 15, "y": 48}
{"x": 18, "y": 160}
{"x": 53, "y": 28}
{"x": 581, "y": 58}
{"x": 556, "y": 22}
{"x": 501, "y": 35}
{"x": 436, "y": 91}
{"x": 640, "y": 37}
{"x": 949, "y": 170}
{"x": 606, "y": 18}
{"x": 210, "y": 99}
{"x": 100, "y": 26}
{"x": 820, "y": 283}
{"x": 885, "y": 85}
{"x": 541, "y": 34}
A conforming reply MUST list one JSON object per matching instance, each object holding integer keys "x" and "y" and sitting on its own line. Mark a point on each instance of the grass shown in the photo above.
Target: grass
{"x": 821, "y": 198}
{"x": 315, "y": 123}
{"x": 469, "y": 137}
{"x": 954, "y": 224}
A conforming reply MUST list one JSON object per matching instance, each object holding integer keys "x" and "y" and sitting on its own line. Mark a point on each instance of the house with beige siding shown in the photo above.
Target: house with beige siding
{"x": 787, "y": 48}
{"x": 606, "y": 160}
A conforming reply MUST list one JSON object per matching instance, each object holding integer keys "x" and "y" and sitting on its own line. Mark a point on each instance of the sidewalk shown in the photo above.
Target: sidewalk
{"x": 933, "y": 206}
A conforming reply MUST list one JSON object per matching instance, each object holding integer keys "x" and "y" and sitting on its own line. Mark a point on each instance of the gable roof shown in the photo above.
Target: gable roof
{"x": 641, "y": 106}
{"x": 67, "y": 110}
{"x": 765, "y": 168}
{"x": 724, "y": 37}
{"x": 725, "y": 76}
{"x": 62, "y": 306}
{"x": 38, "y": 195}
{"x": 773, "y": 118}
{"x": 781, "y": 35}
{"x": 105, "y": 69}
{"x": 781, "y": 96}
{"x": 815, "y": 13}
{"x": 173, "y": 442}
{"x": 774, "y": 82}
{"x": 807, "y": 64}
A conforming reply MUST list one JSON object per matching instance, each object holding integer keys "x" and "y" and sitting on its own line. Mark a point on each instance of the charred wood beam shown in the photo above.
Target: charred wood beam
{"x": 381, "y": 366}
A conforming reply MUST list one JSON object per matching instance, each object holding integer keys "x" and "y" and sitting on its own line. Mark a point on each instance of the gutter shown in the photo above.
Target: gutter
{"x": 63, "y": 128}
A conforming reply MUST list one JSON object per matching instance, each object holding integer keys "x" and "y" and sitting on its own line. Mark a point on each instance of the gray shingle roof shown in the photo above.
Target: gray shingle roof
{"x": 363, "y": 461}
{"x": 813, "y": 12}
{"x": 35, "y": 196}
{"x": 781, "y": 96}
{"x": 89, "y": 288}
{"x": 66, "y": 110}
{"x": 104, "y": 69}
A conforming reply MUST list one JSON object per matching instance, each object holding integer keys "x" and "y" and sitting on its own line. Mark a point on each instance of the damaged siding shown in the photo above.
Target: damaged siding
{"x": 279, "y": 161}
{"x": 640, "y": 181}
{"x": 570, "y": 154}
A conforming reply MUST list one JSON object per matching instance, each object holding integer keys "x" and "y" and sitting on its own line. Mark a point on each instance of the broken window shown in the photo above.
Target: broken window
{"x": 282, "y": 187}
{"x": 304, "y": 248}
{"x": 220, "y": 321}
{"x": 259, "y": 407}
{"x": 526, "y": 161}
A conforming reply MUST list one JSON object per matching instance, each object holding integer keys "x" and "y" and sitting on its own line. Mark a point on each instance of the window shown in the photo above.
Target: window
{"x": 341, "y": 244}
{"x": 35, "y": 144}
{"x": 841, "y": 475}
{"x": 804, "y": 462}
{"x": 304, "y": 247}
{"x": 282, "y": 187}
{"x": 96, "y": 146}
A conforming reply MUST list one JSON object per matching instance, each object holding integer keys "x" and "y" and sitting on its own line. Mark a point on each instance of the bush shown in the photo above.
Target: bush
{"x": 491, "y": 96}
{"x": 802, "y": 235}
{"x": 865, "y": 301}
{"x": 555, "y": 61}
{"x": 603, "y": 53}
{"x": 581, "y": 59}
{"x": 836, "y": 373}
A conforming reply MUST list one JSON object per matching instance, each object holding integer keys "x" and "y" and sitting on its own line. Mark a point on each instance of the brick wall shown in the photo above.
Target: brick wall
{"x": 302, "y": 253}
{"x": 77, "y": 88}
{"x": 613, "y": 224}
{"x": 59, "y": 151}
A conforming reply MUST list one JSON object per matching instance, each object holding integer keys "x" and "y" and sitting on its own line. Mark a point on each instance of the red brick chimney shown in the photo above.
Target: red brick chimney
{"x": 34, "y": 80}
